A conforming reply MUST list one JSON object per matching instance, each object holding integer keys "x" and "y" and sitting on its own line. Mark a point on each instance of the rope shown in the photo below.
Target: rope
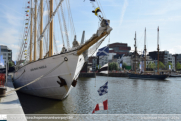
{"x": 65, "y": 28}
{"x": 60, "y": 25}
{"x": 35, "y": 79}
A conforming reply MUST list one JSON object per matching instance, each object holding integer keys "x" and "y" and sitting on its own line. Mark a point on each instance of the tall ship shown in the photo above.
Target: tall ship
{"x": 40, "y": 69}
{"x": 143, "y": 74}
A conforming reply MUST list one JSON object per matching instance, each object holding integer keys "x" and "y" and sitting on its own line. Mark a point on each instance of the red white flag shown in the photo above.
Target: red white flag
{"x": 101, "y": 106}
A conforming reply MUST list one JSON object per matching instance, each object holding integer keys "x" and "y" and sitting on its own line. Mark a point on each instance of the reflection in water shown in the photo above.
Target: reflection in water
{"x": 125, "y": 96}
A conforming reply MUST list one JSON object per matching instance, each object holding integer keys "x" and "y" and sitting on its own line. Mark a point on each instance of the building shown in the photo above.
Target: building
{"x": 107, "y": 53}
{"x": 177, "y": 59}
{"x": 154, "y": 55}
{"x": 127, "y": 60}
{"x": 119, "y": 48}
{"x": 93, "y": 61}
{"x": 6, "y": 53}
{"x": 164, "y": 57}
{"x": 103, "y": 55}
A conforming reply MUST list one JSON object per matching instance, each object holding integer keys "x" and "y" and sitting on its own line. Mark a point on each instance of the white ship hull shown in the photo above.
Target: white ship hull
{"x": 48, "y": 86}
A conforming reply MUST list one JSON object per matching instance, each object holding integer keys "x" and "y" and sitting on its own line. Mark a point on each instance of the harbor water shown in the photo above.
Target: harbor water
{"x": 125, "y": 96}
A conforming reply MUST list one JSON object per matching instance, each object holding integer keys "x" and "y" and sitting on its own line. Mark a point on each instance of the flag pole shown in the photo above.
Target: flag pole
{"x": 108, "y": 70}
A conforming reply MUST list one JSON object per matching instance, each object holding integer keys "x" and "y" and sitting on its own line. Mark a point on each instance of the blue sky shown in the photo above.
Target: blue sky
{"x": 126, "y": 16}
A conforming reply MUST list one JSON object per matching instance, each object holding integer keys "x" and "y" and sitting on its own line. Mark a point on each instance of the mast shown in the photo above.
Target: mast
{"x": 135, "y": 51}
{"x": 158, "y": 50}
{"x": 31, "y": 30}
{"x": 51, "y": 30}
{"x": 41, "y": 29}
{"x": 145, "y": 51}
{"x": 35, "y": 17}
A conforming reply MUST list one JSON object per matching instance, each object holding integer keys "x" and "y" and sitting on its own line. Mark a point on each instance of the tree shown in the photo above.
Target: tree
{"x": 153, "y": 65}
{"x": 113, "y": 66}
{"x": 124, "y": 65}
{"x": 161, "y": 65}
{"x": 178, "y": 66}
{"x": 167, "y": 65}
{"x": 149, "y": 65}
{"x": 11, "y": 64}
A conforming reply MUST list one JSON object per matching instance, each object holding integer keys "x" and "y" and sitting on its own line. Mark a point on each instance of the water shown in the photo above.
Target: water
{"x": 125, "y": 96}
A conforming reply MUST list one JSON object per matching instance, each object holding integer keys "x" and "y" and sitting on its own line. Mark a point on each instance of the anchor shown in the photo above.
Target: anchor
{"x": 62, "y": 82}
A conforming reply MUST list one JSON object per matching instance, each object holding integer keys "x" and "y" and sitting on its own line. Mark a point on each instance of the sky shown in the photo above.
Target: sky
{"x": 126, "y": 17}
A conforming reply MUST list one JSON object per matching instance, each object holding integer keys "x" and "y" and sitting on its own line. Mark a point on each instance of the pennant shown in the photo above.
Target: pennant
{"x": 26, "y": 27}
{"x": 27, "y": 19}
{"x": 26, "y": 14}
{"x": 25, "y": 50}
{"x": 25, "y": 39}
{"x": 92, "y": 0}
{"x": 27, "y": 10}
{"x": 25, "y": 46}
{"x": 28, "y": 6}
{"x": 103, "y": 89}
{"x": 25, "y": 53}
{"x": 26, "y": 23}
{"x": 96, "y": 11}
{"x": 28, "y": 2}
{"x": 101, "y": 106}
{"x": 25, "y": 43}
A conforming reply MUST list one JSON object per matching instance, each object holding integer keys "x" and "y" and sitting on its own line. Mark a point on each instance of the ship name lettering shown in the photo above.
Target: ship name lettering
{"x": 41, "y": 67}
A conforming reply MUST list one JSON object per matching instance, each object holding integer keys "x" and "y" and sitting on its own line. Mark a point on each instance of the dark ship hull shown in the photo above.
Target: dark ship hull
{"x": 140, "y": 76}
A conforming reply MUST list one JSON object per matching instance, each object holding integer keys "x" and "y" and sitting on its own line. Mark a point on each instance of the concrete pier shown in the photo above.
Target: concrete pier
{"x": 10, "y": 103}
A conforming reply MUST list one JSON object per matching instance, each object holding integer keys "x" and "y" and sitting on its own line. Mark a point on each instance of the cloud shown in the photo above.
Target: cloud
{"x": 60, "y": 45}
{"x": 9, "y": 36}
{"x": 13, "y": 46}
{"x": 45, "y": 13}
{"x": 123, "y": 11}
{"x": 175, "y": 49}
{"x": 166, "y": 7}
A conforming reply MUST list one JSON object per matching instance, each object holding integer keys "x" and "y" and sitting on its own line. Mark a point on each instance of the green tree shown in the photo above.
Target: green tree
{"x": 161, "y": 65}
{"x": 178, "y": 66}
{"x": 153, "y": 65}
{"x": 167, "y": 65}
{"x": 113, "y": 66}
{"x": 11, "y": 64}
{"x": 124, "y": 65}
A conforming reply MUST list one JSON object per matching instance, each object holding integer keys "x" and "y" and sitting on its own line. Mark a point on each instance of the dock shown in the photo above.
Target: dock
{"x": 10, "y": 104}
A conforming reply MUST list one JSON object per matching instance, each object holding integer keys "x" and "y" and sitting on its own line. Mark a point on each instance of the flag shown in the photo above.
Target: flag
{"x": 101, "y": 106}
{"x": 29, "y": 2}
{"x": 26, "y": 23}
{"x": 103, "y": 89}
{"x": 28, "y": 6}
{"x": 14, "y": 62}
{"x": 96, "y": 11}
{"x": 26, "y": 14}
{"x": 92, "y": 0}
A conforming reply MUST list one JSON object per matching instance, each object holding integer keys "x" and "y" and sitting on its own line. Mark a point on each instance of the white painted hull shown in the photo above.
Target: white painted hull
{"x": 48, "y": 86}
